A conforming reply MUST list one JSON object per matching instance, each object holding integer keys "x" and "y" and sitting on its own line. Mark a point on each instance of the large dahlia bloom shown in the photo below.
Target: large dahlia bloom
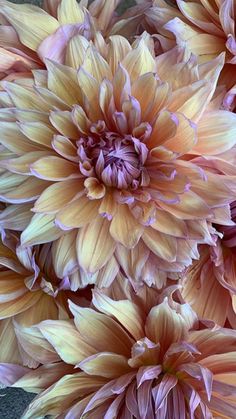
{"x": 130, "y": 364}
{"x": 209, "y": 285}
{"x": 97, "y": 159}
{"x": 30, "y": 34}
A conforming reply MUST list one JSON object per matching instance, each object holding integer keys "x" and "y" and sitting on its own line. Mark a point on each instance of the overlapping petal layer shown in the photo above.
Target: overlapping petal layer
{"x": 209, "y": 285}
{"x": 156, "y": 364}
{"x": 93, "y": 156}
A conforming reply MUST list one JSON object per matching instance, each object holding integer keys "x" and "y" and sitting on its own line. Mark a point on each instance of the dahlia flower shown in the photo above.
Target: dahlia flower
{"x": 30, "y": 292}
{"x": 96, "y": 159}
{"x": 130, "y": 364}
{"x": 206, "y": 27}
{"x": 209, "y": 285}
{"x": 30, "y": 34}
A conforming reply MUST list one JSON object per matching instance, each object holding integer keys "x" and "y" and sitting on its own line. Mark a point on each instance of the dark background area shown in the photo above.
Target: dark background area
{"x": 13, "y": 401}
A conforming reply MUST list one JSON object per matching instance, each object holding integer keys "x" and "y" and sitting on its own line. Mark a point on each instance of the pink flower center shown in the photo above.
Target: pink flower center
{"x": 117, "y": 162}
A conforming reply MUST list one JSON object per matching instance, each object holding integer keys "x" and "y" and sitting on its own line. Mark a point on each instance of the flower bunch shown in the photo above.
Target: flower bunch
{"x": 118, "y": 208}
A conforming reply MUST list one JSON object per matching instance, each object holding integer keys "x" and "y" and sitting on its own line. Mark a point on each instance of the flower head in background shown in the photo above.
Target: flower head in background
{"x": 30, "y": 34}
{"x": 206, "y": 28}
{"x": 90, "y": 153}
{"x": 30, "y": 292}
{"x": 209, "y": 285}
{"x": 159, "y": 364}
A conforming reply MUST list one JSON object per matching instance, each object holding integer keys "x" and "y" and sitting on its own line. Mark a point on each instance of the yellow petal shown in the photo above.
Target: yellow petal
{"x": 96, "y": 66}
{"x": 95, "y": 246}
{"x": 76, "y": 51}
{"x": 62, "y": 80}
{"x": 139, "y": 61}
{"x": 69, "y": 11}
{"x": 118, "y": 48}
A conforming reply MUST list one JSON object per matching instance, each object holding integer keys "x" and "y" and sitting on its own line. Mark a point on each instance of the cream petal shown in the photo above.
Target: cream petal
{"x": 34, "y": 344}
{"x": 95, "y": 246}
{"x": 90, "y": 88}
{"x": 63, "y": 392}
{"x": 38, "y": 133}
{"x": 78, "y": 213}
{"x": 31, "y": 23}
{"x": 105, "y": 364}
{"x": 41, "y": 229}
{"x": 22, "y": 303}
{"x": 62, "y": 80}
{"x": 165, "y": 325}
{"x": 118, "y": 48}
{"x": 14, "y": 140}
{"x": 95, "y": 65}
{"x": 43, "y": 377}
{"x": 191, "y": 207}
{"x": 54, "y": 168}
{"x": 124, "y": 227}
{"x": 69, "y": 11}
{"x": 101, "y": 331}
{"x": 66, "y": 340}
{"x": 9, "y": 349}
{"x": 22, "y": 164}
{"x": 56, "y": 196}
{"x": 76, "y": 50}
{"x": 64, "y": 254}
{"x": 16, "y": 217}
{"x": 216, "y": 133}
{"x": 63, "y": 122}
{"x": 139, "y": 61}
{"x": 10, "y": 373}
{"x": 168, "y": 224}
{"x": 28, "y": 191}
{"x": 162, "y": 245}
{"x": 25, "y": 97}
{"x": 126, "y": 312}
{"x": 65, "y": 148}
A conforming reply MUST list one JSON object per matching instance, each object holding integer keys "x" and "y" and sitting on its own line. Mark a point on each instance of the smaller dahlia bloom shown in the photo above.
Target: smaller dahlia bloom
{"x": 30, "y": 292}
{"x": 209, "y": 285}
{"x": 95, "y": 159}
{"x": 206, "y": 27}
{"x": 131, "y": 364}
{"x": 30, "y": 34}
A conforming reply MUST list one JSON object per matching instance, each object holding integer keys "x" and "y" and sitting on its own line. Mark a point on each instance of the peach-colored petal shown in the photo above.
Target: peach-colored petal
{"x": 78, "y": 213}
{"x": 95, "y": 246}
{"x": 124, "y": 228}
{"x": 127, "y": 313}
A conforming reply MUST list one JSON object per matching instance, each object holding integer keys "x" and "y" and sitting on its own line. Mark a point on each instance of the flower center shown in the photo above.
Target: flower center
{"x": 117, "y": 162}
